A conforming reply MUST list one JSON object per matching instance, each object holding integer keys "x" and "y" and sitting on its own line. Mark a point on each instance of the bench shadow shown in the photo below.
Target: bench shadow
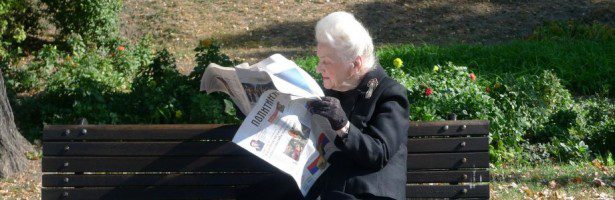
{"x": 277, "y": 185}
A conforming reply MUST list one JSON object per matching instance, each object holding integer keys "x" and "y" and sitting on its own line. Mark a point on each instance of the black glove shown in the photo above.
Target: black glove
{"x": 330, "y": 108}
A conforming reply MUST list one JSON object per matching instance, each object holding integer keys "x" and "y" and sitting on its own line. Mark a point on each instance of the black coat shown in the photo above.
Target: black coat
{"x": 372, "y": 160}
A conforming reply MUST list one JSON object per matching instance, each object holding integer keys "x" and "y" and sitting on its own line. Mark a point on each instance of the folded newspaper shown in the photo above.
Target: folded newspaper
{"x": 279, "y": 129}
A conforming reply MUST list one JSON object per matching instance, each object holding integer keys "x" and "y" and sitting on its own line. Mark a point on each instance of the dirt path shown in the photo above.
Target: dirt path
{"x": 252, "y": 30}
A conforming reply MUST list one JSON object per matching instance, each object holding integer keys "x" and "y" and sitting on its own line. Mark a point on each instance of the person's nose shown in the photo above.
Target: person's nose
{"x": 320, "y": 68}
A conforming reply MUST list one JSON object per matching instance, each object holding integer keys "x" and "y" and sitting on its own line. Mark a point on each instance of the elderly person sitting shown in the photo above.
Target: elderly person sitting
{"x": 368, "y": 110}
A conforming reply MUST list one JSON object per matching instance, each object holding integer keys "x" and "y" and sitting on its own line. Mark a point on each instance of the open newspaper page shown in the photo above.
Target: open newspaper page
{"x": 224, "y": 79}
{"x": 281, "y": 131}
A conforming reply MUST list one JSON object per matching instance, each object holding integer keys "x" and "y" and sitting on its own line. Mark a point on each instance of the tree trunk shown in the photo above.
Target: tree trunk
{"x": 13, "y": 146}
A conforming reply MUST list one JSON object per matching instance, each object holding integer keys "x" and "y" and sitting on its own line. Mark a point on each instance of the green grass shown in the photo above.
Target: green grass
{"x": 535, "y": 180}
{"x": 586, "y": 67}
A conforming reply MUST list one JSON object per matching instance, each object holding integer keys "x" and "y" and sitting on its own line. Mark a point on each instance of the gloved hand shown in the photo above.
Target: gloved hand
{"x": 330, "y": 108}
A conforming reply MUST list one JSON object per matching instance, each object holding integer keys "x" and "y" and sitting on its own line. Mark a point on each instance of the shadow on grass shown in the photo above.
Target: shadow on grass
{"x": 432, "y": 22}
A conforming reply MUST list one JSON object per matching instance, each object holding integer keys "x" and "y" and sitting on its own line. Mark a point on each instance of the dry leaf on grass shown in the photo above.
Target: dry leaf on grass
{"x": 597, "y": 163}
{"x": 552, "y": 184}
{"x": 598, "y": 182}
{"x": 577, "y": 180}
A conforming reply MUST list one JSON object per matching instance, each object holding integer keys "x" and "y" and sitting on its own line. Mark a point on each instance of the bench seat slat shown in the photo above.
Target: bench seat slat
{"x": 141, "y": 132}
{"x": 433, "y": 145}
{"x": 156, "y": 164}
{"x": 140, "y": 193}
{"x": 448, "y": 176}
{"x": 473, "y": 127}
{"x": 448, "y": 160}
{"x": 447, "y": 191}
{"x": 108, "y": 180}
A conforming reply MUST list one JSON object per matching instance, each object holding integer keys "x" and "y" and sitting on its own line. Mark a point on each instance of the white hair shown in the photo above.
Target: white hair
{"x": 343, "y": 32}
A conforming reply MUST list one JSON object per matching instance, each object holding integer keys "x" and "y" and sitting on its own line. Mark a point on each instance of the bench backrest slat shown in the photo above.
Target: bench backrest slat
{"x": 449, "y": 128}
{"x": 180, "y": 132}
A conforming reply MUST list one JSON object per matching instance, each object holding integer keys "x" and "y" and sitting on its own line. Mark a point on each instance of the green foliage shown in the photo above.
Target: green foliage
{"x": 162, "y": 95}
{"x": 451, "y": 91}
{"x": 595, "y": 122}
{"x": 60, "y": 86}
{"x": 122, "y": 84}
{"x": 207, "y": 52}
{"x": 17, "y": 19}
{"x": 95, "y": 20}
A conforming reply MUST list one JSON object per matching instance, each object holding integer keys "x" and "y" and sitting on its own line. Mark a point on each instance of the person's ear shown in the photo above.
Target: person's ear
{"x": 358, "y": 63}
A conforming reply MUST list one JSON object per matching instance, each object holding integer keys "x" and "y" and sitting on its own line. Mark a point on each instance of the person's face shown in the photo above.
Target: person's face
{"x": 333, "y": 69}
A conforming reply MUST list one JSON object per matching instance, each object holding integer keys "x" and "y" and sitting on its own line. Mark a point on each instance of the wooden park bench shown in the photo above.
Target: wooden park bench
{"x": 446, "y": 159}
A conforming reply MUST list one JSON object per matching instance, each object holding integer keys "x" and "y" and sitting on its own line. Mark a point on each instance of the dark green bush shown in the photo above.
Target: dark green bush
{"x": 59, "y": 87}
{"x": 207, "y": 51}
{"x": 97, "y": 21}
{"x": 162, "y": 95}
{"x": 18, "y": 18}
{"x": 122, "y": 84}
{"x": 596, "y": 124}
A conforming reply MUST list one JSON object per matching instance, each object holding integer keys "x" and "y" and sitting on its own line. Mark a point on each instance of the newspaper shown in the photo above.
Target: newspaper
{"x": 245, "y": 84}
{"x": 279, "y": 129}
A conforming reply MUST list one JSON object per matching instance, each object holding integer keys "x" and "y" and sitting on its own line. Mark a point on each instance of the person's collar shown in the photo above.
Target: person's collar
{"x": 374, "y": 76}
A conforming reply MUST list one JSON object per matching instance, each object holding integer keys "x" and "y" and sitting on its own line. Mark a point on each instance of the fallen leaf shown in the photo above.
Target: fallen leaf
{"x": 577, "y": 180}
{"x": 598, "y": 164}
{"x": 528, "y": 191}
{"x": 552, "y": 184}
{"x": 598, "y": 182}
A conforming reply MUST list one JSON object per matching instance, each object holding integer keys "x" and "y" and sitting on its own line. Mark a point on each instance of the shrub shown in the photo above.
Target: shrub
{"x": 162, "y": 95}
{"x": 596, "y": 124}
{"x": 18, "y": 18}
{"x": 59, "y": 87}
{"x": 110, "y": 85}
{"x": 434, "y": 96}
{"x": 207, "y": 52}
{"x": 214, "y": 108}
{"x": 95, "y": 20}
